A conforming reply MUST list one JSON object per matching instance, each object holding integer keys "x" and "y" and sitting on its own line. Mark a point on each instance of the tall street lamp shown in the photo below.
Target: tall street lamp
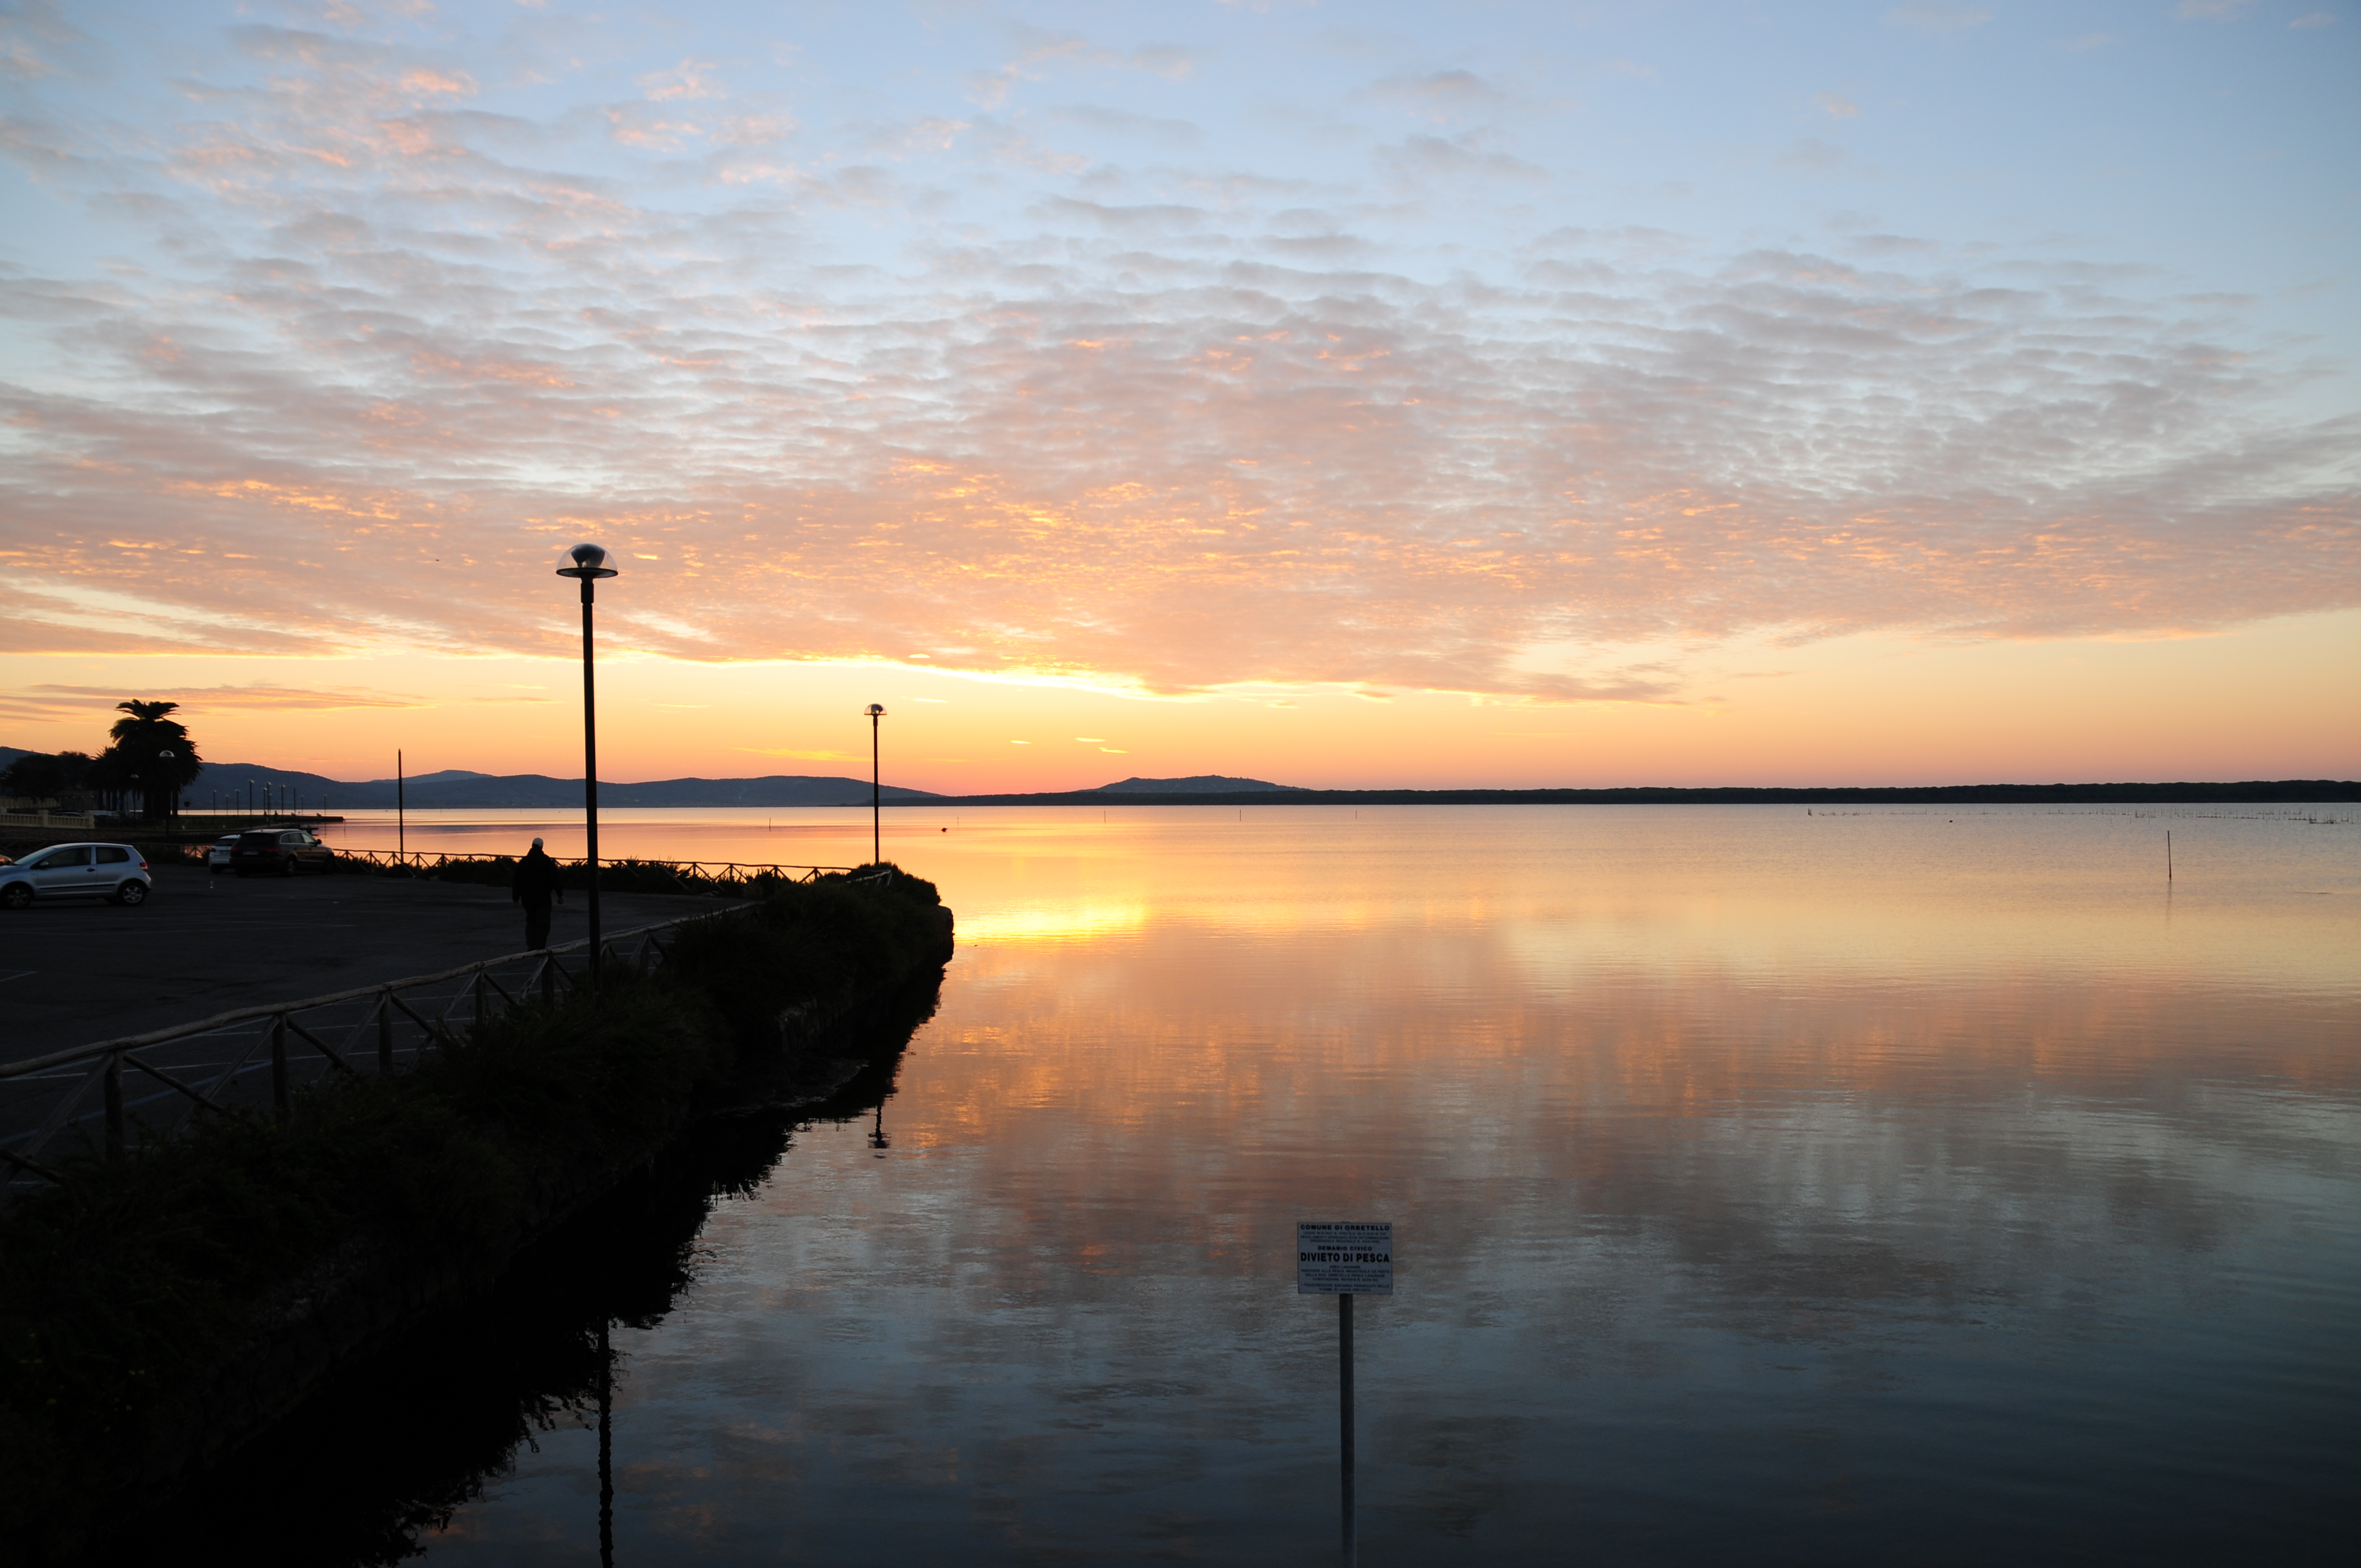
{"x": 590, "y": 566}
{"x": 876, "y": 712}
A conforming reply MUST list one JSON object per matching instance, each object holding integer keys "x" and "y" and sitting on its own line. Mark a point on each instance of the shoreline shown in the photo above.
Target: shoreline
{"x": 2282, "y": 791}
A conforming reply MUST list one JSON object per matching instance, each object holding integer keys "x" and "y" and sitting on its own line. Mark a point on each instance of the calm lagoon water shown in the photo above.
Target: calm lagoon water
{"x": 1784, "y": 1186}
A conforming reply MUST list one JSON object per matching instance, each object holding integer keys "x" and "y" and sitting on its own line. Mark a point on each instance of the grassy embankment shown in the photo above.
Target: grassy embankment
{"x": 156, "y": 1309}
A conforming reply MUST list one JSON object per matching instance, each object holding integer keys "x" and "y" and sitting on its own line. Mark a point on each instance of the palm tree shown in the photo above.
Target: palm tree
{"x": 151, "y": 743}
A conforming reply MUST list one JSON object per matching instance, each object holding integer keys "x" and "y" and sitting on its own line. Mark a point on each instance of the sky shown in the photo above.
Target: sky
{"x": 1347, "y": 395}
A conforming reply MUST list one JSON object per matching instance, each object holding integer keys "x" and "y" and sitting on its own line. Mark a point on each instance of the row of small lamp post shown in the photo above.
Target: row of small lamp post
{"x": 590, "y": 566}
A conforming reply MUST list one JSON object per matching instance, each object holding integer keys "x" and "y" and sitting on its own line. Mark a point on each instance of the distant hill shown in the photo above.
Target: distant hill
{"x": 1195, "y": 783}
{"x": 456, "y": 788}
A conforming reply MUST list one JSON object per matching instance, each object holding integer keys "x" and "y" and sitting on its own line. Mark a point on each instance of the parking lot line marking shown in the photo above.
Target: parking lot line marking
{"x": 17, "y": 974}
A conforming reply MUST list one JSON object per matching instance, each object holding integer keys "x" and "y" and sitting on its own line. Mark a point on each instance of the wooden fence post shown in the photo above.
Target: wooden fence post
{"x": 279, "y": 1099}
{"x": 114, "y": 1107}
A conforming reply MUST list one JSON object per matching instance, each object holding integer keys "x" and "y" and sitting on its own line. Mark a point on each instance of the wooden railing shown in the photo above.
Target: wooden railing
{"x": 217, "y": 1065}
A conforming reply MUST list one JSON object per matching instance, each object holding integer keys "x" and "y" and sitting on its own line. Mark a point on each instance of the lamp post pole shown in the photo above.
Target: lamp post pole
{"x": 876, "y": 855}
{"x": 590, "y": 566}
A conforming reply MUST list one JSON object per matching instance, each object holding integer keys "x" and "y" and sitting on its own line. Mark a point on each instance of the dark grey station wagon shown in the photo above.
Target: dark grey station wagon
{"x": 278, "y": 852}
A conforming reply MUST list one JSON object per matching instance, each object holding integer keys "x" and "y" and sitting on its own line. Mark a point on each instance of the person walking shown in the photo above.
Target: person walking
{"x": 535, "y": 879}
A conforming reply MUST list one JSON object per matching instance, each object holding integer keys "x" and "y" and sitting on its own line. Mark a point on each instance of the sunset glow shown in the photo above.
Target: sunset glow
{"x": 1351, "y": 397}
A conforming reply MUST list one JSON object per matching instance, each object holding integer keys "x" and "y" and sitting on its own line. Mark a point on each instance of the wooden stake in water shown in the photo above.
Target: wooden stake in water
{"x": 2168, "y": 854}
{"x": 1344, "y": 1414}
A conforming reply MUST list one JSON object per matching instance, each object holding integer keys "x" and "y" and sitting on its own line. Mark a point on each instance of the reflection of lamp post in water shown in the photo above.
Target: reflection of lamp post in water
{"x": 590, "y": 566}
{"x": 606, "y": 1452}
{"x": 876, "y": 712}
{"x": 877, "y": 1134}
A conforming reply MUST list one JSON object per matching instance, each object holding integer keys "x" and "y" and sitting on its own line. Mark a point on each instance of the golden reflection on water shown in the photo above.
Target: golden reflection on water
{"x": 2259, "y": 892}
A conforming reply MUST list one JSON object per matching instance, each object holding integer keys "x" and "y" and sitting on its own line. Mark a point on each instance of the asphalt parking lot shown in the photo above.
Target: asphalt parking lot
{"x": 76, "y": 972}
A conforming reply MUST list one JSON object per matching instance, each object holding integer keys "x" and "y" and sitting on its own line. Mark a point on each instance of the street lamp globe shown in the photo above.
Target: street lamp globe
{"x": 590, "y": 562}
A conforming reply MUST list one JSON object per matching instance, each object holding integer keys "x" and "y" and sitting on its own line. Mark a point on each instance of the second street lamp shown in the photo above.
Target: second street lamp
{"x": 876, "y": 712}
{"x": 590, "y": 566}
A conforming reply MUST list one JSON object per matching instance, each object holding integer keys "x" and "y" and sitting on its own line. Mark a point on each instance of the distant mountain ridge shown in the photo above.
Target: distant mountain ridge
{"x": 463, "y": 789}
{"x": 457, "y": 788}
{"x": 460, "y": 788}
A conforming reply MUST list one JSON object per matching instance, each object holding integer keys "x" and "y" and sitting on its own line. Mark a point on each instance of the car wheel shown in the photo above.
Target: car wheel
{"x": 131, "y": 894}
{"x": 286, "y": 868}
{"x": 16, "y": 895}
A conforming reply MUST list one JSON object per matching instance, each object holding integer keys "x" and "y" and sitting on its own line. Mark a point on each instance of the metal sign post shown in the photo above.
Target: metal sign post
{"x": 1345, "y": 1258}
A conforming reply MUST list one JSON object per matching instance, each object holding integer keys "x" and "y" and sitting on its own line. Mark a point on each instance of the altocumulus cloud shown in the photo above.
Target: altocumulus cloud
{"x": 1178, "y": 427}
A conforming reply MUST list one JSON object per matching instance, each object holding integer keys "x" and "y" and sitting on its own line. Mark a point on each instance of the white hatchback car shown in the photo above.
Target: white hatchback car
{"x": 117, "y": 872}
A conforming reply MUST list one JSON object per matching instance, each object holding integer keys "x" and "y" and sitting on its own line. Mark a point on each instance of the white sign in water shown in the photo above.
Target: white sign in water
{"x": 1345, "y": 1257}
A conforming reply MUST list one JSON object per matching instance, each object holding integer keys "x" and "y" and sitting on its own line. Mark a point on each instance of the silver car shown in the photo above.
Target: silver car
{"x": 217, "y": 858}
{"x": 116, "y": 872}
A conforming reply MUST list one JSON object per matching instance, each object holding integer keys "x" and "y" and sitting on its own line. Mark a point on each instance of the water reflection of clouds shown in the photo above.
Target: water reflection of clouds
{"x": 1660, "y": 1235}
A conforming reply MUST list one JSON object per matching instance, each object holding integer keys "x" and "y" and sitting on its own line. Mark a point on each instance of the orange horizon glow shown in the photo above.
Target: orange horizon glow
{"x": 2263, "y": 703}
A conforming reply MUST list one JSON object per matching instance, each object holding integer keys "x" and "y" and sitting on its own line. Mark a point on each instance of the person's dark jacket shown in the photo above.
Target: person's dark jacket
{"x": 536, "y": 878}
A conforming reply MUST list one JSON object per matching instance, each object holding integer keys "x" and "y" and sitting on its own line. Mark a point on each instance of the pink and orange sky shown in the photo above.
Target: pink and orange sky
{"x": 1344, "y": 395}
